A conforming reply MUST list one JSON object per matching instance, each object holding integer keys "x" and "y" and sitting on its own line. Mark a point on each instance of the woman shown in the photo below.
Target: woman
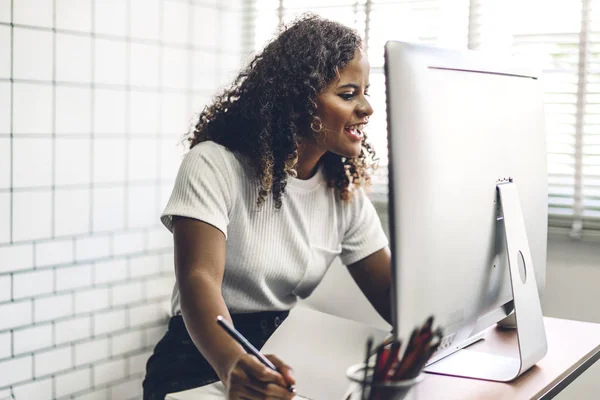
{"x": 269, "y": 194}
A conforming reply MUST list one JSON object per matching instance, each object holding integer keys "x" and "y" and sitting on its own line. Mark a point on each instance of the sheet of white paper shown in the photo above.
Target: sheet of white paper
{"x": 339, "y": 295}
{"x": 215, "y": 391}
{"x": 319, "y": 347}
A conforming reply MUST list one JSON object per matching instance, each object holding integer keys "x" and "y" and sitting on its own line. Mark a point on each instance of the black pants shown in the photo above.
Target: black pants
{"x": 177, "y": 365}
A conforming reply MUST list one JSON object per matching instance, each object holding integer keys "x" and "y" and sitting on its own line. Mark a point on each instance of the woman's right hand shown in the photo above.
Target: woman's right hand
{"x": 248, "y": 378}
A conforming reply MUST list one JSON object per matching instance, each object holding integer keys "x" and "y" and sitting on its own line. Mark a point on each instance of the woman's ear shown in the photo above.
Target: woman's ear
{"x": 316, "y": 124}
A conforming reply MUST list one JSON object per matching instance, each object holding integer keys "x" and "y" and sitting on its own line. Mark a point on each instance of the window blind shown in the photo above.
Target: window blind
{"x": 442, "y": 22}
{"x": 590, "y": 146}
{"x": 561, "y": 37}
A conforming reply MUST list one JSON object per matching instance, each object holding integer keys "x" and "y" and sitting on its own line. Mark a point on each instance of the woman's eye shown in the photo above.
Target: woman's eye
{"x": 347, "y": 96}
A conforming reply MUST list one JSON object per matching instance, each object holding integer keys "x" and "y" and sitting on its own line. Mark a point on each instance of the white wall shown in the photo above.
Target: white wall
{"x": 95, "y": 97}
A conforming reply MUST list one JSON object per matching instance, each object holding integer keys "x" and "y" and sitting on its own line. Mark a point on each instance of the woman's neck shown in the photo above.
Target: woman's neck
{"x": 308, "y": 161}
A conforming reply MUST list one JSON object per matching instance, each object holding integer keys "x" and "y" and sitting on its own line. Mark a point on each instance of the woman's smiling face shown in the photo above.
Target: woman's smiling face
{"x": 344, "y": 109}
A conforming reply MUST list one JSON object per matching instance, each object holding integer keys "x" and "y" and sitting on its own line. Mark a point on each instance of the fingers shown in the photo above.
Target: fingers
{"x": 269, "y": 391}
{"x": 243, "y": 386}
{"x": 250, "y": 393}
{"x": 283, "y": 368}
{"x": 250, "y": 379}
{"x": 261, "y": 372}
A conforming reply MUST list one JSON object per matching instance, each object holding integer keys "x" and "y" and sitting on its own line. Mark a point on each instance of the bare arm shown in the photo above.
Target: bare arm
{"x": 373, "y": 275}
{"x": 199, "y": 267}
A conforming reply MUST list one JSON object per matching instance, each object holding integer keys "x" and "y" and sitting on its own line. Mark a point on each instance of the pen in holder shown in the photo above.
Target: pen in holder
{"x": 391, "y": 377}
{"x": 388, "y": 390}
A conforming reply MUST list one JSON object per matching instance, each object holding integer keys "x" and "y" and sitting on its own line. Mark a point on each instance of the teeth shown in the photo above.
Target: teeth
{"x": 355, "y": 132}
{"x": 356, "y": 127}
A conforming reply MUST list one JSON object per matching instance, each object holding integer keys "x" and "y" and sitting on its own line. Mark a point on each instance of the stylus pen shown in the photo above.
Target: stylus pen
{"x": 234, "y": 333}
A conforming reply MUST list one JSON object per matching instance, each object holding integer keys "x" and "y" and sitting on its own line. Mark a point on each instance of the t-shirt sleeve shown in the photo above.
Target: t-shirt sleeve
{"x": 364, "y": 234}
{"x": 202, "y": 189}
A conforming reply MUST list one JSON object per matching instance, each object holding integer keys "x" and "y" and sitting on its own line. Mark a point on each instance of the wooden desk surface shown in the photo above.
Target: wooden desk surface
{"x": 573, "y": 346}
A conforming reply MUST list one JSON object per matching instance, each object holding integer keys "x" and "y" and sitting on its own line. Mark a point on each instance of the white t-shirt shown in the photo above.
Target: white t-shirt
{"x": 272, "y": 256}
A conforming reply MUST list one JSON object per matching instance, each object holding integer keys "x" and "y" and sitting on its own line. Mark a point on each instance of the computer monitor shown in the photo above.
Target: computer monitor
{"x": 459, "y": 124}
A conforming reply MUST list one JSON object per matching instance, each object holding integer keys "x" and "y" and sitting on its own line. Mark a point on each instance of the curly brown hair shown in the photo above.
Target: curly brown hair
{"x": 268, "y": 109}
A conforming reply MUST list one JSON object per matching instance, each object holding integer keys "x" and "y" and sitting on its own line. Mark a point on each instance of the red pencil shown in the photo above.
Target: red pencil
{"x": 391, "y": 359}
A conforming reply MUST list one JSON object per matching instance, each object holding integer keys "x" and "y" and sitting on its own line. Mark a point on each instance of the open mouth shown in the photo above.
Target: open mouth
{"x": 355, "y": 131}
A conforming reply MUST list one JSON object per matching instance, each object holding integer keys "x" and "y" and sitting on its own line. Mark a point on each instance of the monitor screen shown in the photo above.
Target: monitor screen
{"x": 458, "y": 122}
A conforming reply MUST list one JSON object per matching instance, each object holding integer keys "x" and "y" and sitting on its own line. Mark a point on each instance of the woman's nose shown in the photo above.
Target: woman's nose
{"x": 365, "y": 109}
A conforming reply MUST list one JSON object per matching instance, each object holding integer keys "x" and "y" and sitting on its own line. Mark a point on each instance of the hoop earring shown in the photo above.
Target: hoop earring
{"x": 319, "y": 127}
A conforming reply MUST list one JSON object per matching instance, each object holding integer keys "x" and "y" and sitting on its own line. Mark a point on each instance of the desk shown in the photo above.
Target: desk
{"x": 573, "y": 347}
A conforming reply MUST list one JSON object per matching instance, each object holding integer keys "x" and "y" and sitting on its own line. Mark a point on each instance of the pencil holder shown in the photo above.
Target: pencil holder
{"x": 367, "y": 390}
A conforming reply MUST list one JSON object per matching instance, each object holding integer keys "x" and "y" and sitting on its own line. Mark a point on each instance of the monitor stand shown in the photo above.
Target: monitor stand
{"x": 531, "y": 334}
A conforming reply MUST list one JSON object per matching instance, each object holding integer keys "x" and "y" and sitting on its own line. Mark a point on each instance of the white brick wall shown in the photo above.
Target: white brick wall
{"x": 73, "y": 382}
{"x": 92, "y": 351}
{"x": 113, "y": 270}
{"x": 155, "y": 333}
{"x": 53, "y": 307}
{"x": 110, "y": 321}
{"x": 96, "y": 395}
{"x": 41, "y": 389}
{"x": 128, "y": 342}
{"x": 54, "y": 252}
{"x": 128, "y": 243}
{"x": 28, "y": 284}
{"x": 127, "y": 390}
{"x": 73, "y": 277}
{"x": 90, "y": 248}
{"x": 15, "y": 314}
{"x": 144, "y": 266}
{"x": 5, "y": 288}
{"x": 16, "y": 370}
{"x": 109, "y": 372}
{"x": 71, "y": 210}
{"x": 5, "y": 345}
{"x": 144, "y": 314}
{"x": 32, "y": 339}
{"x": 155, "y": 287}
{"x": 16, "y": 257}
{"x": 50, "y": 362}
{"x": 91, "y": 300}
{"x": 136, "y": 364}
{"x": 32, "y": 215}
{"x": 167, "y": 264}
{"x": 72, "y": 329}
{"x": 86, "y": 268}
{"x": 127, "y": 293}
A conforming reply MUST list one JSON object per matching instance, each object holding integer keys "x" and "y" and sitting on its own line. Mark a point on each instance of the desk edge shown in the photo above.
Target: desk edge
{"x": 558, "y": 386}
